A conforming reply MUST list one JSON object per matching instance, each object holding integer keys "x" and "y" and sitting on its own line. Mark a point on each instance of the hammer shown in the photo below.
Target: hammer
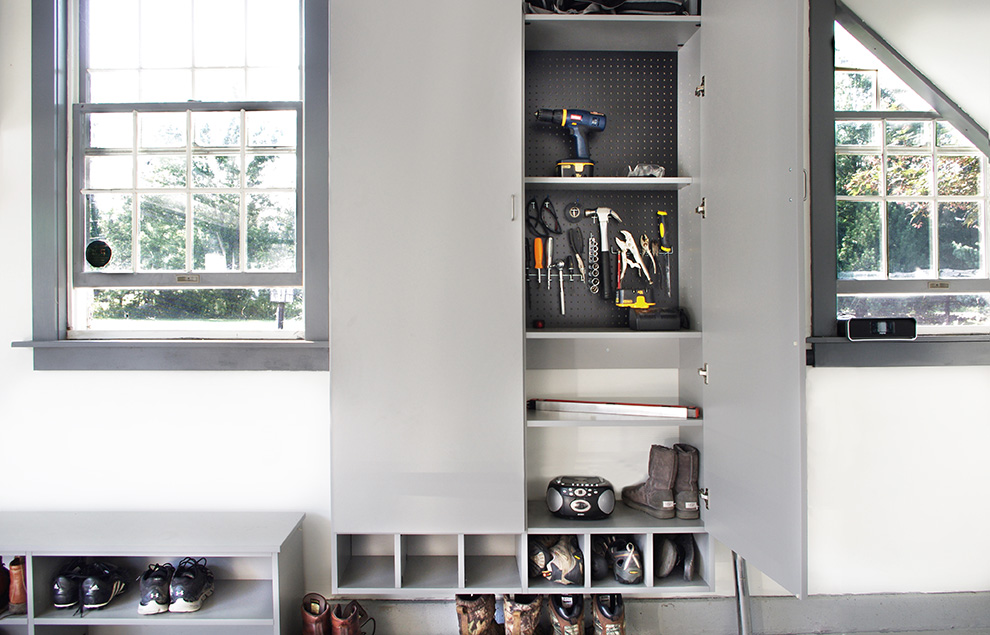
{"x": 603, "y": 214}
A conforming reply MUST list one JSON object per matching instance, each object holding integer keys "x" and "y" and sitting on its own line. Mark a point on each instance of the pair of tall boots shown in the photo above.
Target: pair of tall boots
{"x": 476, "y": 614}
{"x": 671, "y": 489}
{"x": 13, "y": 588}
{"x": 319, "y": 618}
{"x": 567, "y": 614}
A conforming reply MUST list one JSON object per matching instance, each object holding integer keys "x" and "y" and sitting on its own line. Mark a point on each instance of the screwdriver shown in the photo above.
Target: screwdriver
{"x": 665, "y": 248}
{"x": 538, "y": 259}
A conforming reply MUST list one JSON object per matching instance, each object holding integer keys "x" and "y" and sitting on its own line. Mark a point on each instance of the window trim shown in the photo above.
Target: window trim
{"x": 50, "y": 111}
{"x": 827, "y": 348}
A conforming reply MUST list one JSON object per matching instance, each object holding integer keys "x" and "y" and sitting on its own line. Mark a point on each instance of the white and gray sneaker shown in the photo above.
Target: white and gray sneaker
{"x": 154, "y": 585}
{"x": 191, "y": 584}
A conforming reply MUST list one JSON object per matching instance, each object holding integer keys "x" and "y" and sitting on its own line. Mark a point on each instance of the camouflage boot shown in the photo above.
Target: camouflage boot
{"x": 686, "y": 483}
{"x": 655, "y": 495}
{"x": 476, "y": 615}
{"x": 567, "y": 614}
{"x": 522, "y": 614}
{"x": 610, "y": 615}
{"x": 315, "y": 615}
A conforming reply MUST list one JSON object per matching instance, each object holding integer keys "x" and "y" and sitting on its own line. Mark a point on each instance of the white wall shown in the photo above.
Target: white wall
{"x": 141, "y": 440}
{"x": 898, "y": 470}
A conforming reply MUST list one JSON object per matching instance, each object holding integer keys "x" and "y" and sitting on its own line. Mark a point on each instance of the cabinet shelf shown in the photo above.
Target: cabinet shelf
{"x": 613, "y": 183}
{"x": 607, "y": 333}
{"x": 624, "y": 520}
{"x": 551, "y": 419}
{"x": 609, "y": 32}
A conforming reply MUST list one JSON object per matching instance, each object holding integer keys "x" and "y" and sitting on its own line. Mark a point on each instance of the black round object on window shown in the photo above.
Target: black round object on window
{"x": 98, "y": 253}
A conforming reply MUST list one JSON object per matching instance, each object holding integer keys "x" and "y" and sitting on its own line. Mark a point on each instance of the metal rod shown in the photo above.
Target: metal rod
{"x": 743, "y": 617}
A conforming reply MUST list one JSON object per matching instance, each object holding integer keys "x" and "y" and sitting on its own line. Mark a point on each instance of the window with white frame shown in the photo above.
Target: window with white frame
{"x": 186, "y": 208}
{"x": 911, "y": 199}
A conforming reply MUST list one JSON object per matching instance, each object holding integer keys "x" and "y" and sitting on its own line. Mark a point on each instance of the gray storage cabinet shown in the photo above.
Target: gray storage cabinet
{"x": 438, "y": 472}
{"x": 256, "y": 558}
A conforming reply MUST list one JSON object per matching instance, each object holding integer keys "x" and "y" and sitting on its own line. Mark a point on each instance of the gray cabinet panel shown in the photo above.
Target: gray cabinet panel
{"x": 754, "y": 296}
{"x": 426, "y": 304}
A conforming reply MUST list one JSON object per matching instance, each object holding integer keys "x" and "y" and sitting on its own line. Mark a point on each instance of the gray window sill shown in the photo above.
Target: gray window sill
{"x": 179, "y": 355}
{"x": 927, "y": 350}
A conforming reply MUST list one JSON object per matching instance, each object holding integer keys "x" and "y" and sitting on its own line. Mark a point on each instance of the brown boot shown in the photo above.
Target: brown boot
{"x": 655, "y": 495}
{"x": 18, "y": 588}
{"x": 349, "y": 619}
{"x": 476, "y": 615}
{"x": 610, "y": 615}
{"x": 315, "y": 615}
{"x": 567, "y": 614}
{"x": 522, "y": 614}
{"x": 686, "y": 483}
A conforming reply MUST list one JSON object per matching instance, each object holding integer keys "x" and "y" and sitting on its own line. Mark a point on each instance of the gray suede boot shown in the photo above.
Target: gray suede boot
{"x": 686, "y": 484}
{"x": 655, "y": 495}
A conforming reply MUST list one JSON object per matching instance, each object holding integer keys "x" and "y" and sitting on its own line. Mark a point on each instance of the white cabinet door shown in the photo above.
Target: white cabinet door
{"x": 754, "y": 292}
{"x": 426, "y": 267}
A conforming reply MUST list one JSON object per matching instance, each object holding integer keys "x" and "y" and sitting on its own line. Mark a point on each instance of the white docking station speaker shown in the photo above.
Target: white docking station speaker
{"x": 584, "y": 497}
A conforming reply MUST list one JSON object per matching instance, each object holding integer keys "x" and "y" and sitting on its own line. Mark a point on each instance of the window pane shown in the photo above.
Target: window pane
{"x": 857, "y": 174}
{"x": 959, "y": 244}
{"x": 909, "y": 175}
{"x": 272, "y": 171}
{"x": 162, "y": 130}
{"x": 895, "y": 94}
{"x": 113, "y": 86}
{"x": 271, "y": 232}
{"x": 162, "y": 171}
{"x": 909, "y": 134}
{"x": 928, "y": 310}
{"x": 216, "y": 171}
{"x": 273, "y": 83}
{"x": 223, "y": 84}
{"x": 271, "y": 128}
{"x": 163, "y": 232}
{"x": 273, "y": 34}
{"x": 166, "y": 34}
{"x": 218, "y": 33}
{"x": 113, "y": 33}
{"x": 948, "y": 136}
{"x": 909, "y": 253}
{"x": 166, "y": 85}
{"x": 111, "y": 130}
{"x": 216, "y": 232}
{"x": 959, "y": 176}
{"x": 191, "y": 309}
{"x": 107, "y": 173}
{"x": 857, "y": 133}
{"x": 108, "y": 217}
{"x": 217, "y": 129}
{"x": 858, "y": 248}
{"x": 855, "y": 90}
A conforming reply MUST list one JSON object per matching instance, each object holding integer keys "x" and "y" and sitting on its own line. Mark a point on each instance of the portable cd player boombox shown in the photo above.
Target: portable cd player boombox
{"x": 586, "y": 497}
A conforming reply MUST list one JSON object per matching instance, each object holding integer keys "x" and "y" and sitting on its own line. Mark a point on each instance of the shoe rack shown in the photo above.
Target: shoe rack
{"x": 255, "y": 557}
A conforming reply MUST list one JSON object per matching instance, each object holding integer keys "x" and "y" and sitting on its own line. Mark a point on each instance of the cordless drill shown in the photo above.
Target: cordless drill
{"x": 577, "y": 123}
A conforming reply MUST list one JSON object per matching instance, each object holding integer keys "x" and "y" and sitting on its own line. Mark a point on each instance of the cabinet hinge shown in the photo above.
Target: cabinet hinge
{"x": 700, "y": 90}
{"x": 703, "y": 494}
{"x": 703, "y": 371}
{"x": 701, "y": 208}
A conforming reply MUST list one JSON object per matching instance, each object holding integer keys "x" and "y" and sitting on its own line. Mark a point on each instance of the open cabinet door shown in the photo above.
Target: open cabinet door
{"x": 752, "y": 122}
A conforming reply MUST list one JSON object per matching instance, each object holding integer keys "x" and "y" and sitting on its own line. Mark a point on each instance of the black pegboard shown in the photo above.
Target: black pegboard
{"x": 636, "y": 91}
{"x": 584, "y": 309}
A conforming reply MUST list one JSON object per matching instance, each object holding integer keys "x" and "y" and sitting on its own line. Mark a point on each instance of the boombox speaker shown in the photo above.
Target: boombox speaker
{"x": 584, "y": 497}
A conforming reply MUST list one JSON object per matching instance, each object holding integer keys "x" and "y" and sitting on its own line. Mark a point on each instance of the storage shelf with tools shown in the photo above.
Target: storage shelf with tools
{"x": 609, "y": 183}
{"x": 607, "y": 333}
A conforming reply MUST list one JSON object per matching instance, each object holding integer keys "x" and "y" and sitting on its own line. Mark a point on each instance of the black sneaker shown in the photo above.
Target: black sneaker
{"x": 103, "y": 582}
{"x": 65, "y": 584}
{"x": 191, "y": 584}
{"x": 154, "y": 586}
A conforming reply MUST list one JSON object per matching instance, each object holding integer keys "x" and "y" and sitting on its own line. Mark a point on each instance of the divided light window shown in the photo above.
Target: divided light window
{"x": 911, "y": 199}
{"x": 186, "y": 208}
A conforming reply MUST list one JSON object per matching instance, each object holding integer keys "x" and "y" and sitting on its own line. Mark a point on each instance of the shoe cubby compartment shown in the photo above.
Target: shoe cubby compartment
{"x": 255, "y": 558}
{"x": 609, "y": 583}
{"x": 539, "y": 584}
{"x": 428, "y": 562}
{"x": 675, "y": 581}
{"x": 493, "y": 563}
{"x": 366, "y": 562}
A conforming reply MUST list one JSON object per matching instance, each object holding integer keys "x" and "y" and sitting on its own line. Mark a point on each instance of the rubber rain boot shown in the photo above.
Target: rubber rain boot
{"x": 655, "y": 495}
{"x": 686, "y": 483}
{"x": 522, "y": 614}
{"x": 349, "y": 619}
{"x": 610, "y": 615}
{"x": 567, "y": 614}
{"x": 476, "y": 615}
{"x": 315, "y": 615}
{"x": 18, "y": 588}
